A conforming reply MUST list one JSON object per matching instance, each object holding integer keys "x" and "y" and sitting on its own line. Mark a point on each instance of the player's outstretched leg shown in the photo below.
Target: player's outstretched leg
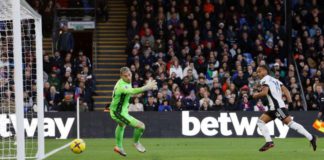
{"x": 313, "y": 142}
{"x": 301, "y": 130}
{"x": 138, "y": 132}
{"x": 119, "y": 135}
{"x": 265, "y": 132}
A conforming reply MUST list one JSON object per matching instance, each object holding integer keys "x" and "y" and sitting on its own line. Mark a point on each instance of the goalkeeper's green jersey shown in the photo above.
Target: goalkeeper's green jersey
{"x": 121, "y": 95}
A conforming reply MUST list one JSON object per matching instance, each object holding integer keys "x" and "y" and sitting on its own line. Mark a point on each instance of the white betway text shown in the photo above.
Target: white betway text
{"x": 50, "y": 125}
{"x": 212, "y": 126}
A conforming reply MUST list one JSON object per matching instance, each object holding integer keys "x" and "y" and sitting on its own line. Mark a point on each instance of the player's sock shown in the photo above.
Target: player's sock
{"x": 119, "y": 134}
{"x": 300, "y": 129}
{"x": 138, "y": 132}
{"x": 264, "y": 130}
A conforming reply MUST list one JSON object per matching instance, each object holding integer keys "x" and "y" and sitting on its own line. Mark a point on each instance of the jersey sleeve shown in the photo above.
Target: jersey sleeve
{"x": 124, "y": 89}
{"x": 264, "y": 83}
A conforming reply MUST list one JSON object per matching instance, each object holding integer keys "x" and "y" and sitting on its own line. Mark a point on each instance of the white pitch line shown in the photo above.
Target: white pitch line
{"x": 56, "y": 150}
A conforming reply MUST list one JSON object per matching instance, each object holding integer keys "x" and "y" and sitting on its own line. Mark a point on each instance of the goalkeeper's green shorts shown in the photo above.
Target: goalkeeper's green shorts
{"x": 123, "y": 118}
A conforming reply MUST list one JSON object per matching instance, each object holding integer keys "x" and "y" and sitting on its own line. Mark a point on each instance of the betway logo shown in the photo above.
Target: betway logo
{"x": 211, "y": 126}
{"x": 50, "y": 125}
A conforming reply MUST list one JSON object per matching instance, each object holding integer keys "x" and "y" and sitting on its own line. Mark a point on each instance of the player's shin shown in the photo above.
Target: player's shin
{"x": 264, "y": 130}
{"x": 119, "y": 135}
{"x": 138, "y": 132}
{"x": 300, "y": 129}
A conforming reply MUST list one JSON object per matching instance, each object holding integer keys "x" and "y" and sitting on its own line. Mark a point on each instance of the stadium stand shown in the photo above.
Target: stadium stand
{"x": 68, "y": 71}
{"x": 204, "y": 53}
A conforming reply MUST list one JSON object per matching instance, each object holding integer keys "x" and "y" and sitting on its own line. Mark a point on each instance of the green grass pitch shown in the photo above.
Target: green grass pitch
{"x": 193, "y": 149}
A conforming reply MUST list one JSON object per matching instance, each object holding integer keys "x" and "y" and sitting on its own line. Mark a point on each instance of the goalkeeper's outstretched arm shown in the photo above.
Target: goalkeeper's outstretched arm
{"x": 151, "y": 85}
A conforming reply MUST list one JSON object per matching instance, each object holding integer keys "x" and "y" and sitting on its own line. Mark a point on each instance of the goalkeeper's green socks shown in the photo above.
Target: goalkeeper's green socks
{"x": 138, "y": 132}
{"x": 119, "y": 134}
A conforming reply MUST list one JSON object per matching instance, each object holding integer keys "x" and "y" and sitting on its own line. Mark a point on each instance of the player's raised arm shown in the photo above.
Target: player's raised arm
{"x": 151, "y": 85}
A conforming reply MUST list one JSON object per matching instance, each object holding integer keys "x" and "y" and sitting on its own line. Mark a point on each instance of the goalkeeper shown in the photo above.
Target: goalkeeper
{"x": 119, "y": 110}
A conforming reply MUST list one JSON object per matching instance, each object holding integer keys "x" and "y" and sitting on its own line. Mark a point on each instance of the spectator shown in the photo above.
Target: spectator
{"x": 206, "y": 103}
{"x": 245, "y": 104}
{"x": 208, "y": 7}
{"x": 53, "y": 99}
{"x": 67, "y": 98}
{"x": 191, "y": 101}
{"x": 47, "y": 63}
{"x": 133, "y": 30}
{"x": 240, "y": 80}
{"x": 231, "y": 104}
{"x": 218, "y": 105}
{"x": 151, "y": 104}
{"x": 177, "y": 69}
{"x": 148, "y": 38}
{"x": 54, "y": 80}
{"x": 310, "y": 98}
{"x": 136, "y": 106}
{"x": 186, "y": 86}
{"x": 179, "y": 106}
{"x": 319, "y": 95}
{"x": 66, "y": 41}
{"x": 165, "y": 106}
{"x": 260, "y": 107}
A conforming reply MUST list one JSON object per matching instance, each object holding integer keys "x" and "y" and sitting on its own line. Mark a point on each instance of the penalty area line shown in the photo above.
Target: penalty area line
{"x": 56, "y": 150}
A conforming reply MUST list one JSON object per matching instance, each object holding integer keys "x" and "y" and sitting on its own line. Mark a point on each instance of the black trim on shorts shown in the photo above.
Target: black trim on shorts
{"x": 121, "y": 118}
{"x": 280, "y": 113}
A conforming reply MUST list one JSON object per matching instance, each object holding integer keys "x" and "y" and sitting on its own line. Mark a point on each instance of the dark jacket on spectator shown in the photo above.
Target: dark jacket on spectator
{"x": 191, "y": 104}
{"x": 151, "y": 107}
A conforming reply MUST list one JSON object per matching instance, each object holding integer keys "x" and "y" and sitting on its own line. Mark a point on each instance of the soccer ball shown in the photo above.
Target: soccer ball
{"x": 77, "y": 146}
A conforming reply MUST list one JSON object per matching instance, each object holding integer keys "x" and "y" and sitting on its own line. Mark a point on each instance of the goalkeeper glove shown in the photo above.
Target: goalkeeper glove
{"x": 150, "y": 85}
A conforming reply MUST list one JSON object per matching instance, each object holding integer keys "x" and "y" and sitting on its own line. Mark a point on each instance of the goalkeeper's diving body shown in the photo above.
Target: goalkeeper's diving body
{"x": 119, "y": 109}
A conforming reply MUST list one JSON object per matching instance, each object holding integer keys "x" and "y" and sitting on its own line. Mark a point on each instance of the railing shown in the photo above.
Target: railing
{"x": 76, "y": 14}
{"x": 300, "y": 85}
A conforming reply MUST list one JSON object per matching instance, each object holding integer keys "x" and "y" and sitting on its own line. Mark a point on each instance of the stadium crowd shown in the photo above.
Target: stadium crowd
{"x": 204, "y": 53}
{"x": 67, "y": 71}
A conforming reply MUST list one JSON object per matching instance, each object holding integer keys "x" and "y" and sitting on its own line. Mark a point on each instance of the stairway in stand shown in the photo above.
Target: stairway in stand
{"x": 47, "y": 45}
{"x": 111, "y": 43}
